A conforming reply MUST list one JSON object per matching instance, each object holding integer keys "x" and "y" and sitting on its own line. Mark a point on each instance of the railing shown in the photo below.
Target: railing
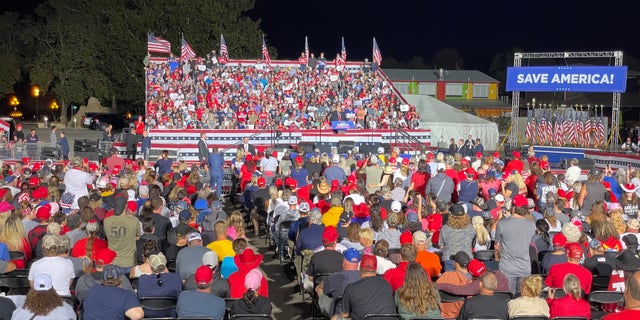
{"x": 406, "y": 142}
{"x": 34, "y": 151}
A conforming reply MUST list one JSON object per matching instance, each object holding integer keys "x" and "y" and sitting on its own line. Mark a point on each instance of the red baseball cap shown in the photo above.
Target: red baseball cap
{"x": 430, "y": 156}
{"x": 298, "y": 159}
{"x": 368, "y": 262}
{"x": 405, "y": 161}
{"x": 406, "y": 238}
{"x": 43, "y": 213}
{"x": 559, "y": 240}
{"x": 330, "y": 234}
{"x": 262, "y": 182}
{"x": 478, "y": 154}
{"x": 393, "y": 160}
{"x": 476, "y": 268}
{"x": 520, "y": 201}
{"x": 105, "y": 256}
{"x": 203, "y": 275}
{"x": 574, "y": 251}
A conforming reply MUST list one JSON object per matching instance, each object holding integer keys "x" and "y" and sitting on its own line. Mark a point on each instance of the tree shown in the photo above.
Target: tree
{"x": 448, "y": 58}
{"x": 66, "y": 63}
{"x": 10, "y": 72}
{"x": 417, "y": 63}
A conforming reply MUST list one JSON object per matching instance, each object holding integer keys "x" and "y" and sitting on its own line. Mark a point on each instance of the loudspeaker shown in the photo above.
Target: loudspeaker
{"x": 306, "y": 147}
{"x": 324, "y": 147}
{"x": 49, "y": 152}
{"x": 345, "y": 143}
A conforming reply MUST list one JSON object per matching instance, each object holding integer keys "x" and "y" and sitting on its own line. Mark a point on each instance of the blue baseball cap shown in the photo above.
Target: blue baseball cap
{"x": 352, "y": 255}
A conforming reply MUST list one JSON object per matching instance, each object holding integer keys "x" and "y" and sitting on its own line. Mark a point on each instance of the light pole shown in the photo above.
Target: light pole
{"x": 36, "y": 93}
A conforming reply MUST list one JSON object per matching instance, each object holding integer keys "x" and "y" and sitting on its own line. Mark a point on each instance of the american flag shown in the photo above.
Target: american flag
{"x": 158, "y": 45}
{"x": 579, "y": 131}
{"x": 600, "y": 135}
{"x": 587, "y": 131}
{"x": 224, "y": 51}
{"x": 265, "y": 52}
{"x": 343, "y": 51}
{"x": 550, "y": 129}
{"x": 567, "y": 127}
{"x": 377, "y": 56}
{"x": 306, "y": 48}
{"x": 542, "y": 130}
{"x": 559, "y": 132}
{"x": 527, "y": 133}
{"x": 186, "y": 52}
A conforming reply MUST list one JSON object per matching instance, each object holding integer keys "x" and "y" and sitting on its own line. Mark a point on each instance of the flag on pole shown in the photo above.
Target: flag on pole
{"x": 527, "y": 133}
{"x": 186, "y": 52}
{"x": 377, "y": 56}
{"x": 542, "y": 130}
{"x": 306, "y": 48}
{"x": 587, "y": 130}
{"x": 265, "y": 52}
{"x": 573, "y": 130}
{"x": 559, "y": 131}
{"x": 600, "y": 129}
{"x": 158, "y": 45}
{"x": 224, "y": 51}
{"x": 343, "y": 51}
{"x": 580, "y": 129}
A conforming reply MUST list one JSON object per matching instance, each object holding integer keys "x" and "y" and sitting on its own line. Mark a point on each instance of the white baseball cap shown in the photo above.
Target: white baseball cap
{"x": 396, "y": 206}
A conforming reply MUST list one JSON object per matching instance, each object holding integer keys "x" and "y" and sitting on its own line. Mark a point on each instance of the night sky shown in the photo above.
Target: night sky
{"x": 403, "y": 29}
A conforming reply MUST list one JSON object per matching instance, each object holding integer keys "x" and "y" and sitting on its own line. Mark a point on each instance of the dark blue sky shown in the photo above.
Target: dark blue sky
{"x": 477, "y": 29}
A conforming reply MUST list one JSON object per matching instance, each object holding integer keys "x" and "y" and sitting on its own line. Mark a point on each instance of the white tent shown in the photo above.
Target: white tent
{"x": 448, "y": 122}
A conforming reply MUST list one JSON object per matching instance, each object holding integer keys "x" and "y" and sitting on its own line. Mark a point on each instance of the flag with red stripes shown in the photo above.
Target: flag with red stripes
{"x": 186, "y": 52}
{"x": 600, "y": 132}
{"x": 343, "y": 51}
{"x": 573, "y": 131}
{"x": 559, "y": 132}
{"x": 580, "y": 131}
{"x": 158, "y": 45}
{"x": 550, "y": 136}
{"x": 587, "y": 131}
{"x": 542, "y": 130}
{"x": 377, "y": 56}
{"x": 224, "y": 51}
{"x": 529, "y": 129}
{"x": 265, "y": 52}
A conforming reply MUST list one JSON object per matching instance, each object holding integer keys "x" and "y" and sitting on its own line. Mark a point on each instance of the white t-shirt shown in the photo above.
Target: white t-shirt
{"x": 384, "y": 265}
{"x": 76, "y": 182}
{"x": 59, "y": 269}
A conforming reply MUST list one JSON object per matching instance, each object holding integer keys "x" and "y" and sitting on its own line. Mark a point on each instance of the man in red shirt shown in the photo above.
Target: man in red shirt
{"x": 631, "y": 301}
{"x": 557, "y": 272}
{"x": 395, "y": 276}
{"x": 515, "y": 164}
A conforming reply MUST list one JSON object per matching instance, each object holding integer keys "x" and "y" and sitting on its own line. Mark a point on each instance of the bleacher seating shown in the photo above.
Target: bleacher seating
{"x": 247, "y": 96}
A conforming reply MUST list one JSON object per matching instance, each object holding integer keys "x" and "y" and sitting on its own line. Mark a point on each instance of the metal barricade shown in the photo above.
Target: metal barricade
{"x": 227, "y": 183}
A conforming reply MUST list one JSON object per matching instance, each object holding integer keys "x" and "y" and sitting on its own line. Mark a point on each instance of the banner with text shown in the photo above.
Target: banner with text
{"x": 567, "y": 78}
{"x": 343, "y": 125}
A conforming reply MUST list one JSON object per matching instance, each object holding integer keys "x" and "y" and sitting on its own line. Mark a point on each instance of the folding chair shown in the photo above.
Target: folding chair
{"x": 372, "y": 316}
{"x": 600, "y": 298}
{"x": 317, "y": 279}
{"x": 251, "y": 316}
{"x": 600, "y": 283}
{"x": 158, "y": 303}
{"x": 447, "y": 297}
{"x": 485, "y": 255}
{"x": 506, "y": 295}
{"x": 529, "y": 318}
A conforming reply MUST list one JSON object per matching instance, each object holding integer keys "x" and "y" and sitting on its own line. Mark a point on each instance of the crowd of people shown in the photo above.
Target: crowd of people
{"x": 365, "y": 234}
{"x": 205, "y": 94}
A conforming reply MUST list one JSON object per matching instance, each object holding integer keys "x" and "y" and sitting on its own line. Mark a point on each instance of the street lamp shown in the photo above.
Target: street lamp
{"x": 36, "y": 93}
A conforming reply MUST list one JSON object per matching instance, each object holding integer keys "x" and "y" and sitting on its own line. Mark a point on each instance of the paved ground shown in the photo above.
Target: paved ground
{"x": 284, "y": 294}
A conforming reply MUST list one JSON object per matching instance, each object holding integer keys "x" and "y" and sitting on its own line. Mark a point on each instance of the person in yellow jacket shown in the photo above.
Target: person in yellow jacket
{"x": 332, "y": 216}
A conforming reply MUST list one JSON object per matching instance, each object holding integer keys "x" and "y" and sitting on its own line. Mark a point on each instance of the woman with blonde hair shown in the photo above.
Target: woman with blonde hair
{"x": 483, "y": 239}
{"x": 529, "y": 303}
{"x": 235, "y": 224}
{"x": 14, "y": 236}
{"x": 418, "y": 296}
{"x": 514, "y": 185}
{"x": 571, "y": 304}
{"x": 617, "y": 218}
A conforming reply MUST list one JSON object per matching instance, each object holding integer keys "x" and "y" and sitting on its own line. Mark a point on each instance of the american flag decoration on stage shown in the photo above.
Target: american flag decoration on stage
{"x": 587, "y": 130}
{"x": 580, "y": 129}
{"x": 600, "y": 134}
{"x": 343, "y": 51}
{"x": 567, "y": 127}
{"x": 158, "y": 45}
{"x": 527, "y": 133}
{"x": 186, "y": 52}
{"x": 542, "y": 129}
{"x": 265, "y": 53}
{"x": 377, "y": 55}
{"x": 559, "y": 131}
{"x": 550, "y": 127}
{"x": 224, "y": 51}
